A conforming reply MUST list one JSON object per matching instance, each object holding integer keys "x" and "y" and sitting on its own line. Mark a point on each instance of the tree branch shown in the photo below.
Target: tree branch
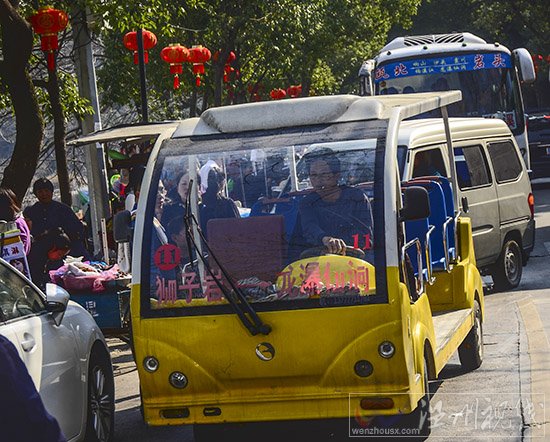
{"x": 41, "y": 83}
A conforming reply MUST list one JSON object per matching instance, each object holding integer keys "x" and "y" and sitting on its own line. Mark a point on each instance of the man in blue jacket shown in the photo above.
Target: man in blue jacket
{"x": 334, "y": 216}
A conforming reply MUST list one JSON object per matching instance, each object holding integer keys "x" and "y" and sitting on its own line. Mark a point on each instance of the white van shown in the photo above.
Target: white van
{"x": 494, "y": 187}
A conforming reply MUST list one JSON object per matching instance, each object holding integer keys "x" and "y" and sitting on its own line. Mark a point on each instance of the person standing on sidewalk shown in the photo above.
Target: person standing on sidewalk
{"x": 10, "y": 211}
{"x": 47, "y": 214}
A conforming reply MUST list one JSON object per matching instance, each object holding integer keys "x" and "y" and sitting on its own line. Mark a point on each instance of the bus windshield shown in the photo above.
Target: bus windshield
{"x": 284, "y": 226}
{"x": 488, "y": 86}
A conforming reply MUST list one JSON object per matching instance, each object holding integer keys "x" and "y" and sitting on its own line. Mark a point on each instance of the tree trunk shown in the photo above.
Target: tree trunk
{"x": 193, "y": 103}
{"x": 306, "y": 85}
{"x": 17, "y": 40}
{"x": 59, "y": 133}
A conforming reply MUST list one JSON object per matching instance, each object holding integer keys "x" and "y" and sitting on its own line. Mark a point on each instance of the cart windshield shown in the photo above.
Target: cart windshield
{"x": 282, "y": 220}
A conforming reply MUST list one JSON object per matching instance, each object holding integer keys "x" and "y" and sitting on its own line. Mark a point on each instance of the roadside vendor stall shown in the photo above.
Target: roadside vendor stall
{"x": 103, "y": 288}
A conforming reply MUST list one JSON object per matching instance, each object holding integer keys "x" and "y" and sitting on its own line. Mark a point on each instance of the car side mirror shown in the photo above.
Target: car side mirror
{"x": 416, "y": 204}
{"x": 122, "y": 230}
{"x": 57, "y": 299}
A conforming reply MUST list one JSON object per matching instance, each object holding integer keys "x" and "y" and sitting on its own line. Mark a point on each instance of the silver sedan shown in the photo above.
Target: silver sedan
{"x": 65, "y": 354}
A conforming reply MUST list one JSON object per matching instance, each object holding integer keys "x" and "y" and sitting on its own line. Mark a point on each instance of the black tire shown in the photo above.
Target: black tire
{"x": 508, "y": 269}
{"x": 470, "y": 352}
{"x": 100, "y": 422}
{"x": 419, "y": 419}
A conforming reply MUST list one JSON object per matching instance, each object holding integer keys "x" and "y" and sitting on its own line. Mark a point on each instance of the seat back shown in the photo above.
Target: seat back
{"x": 417, "y": 229}
{"x": 437, "y": 218}
{"x": 248, "y": 247}
{"x": 288, "y": 208}
{"x": 450, "y": 210}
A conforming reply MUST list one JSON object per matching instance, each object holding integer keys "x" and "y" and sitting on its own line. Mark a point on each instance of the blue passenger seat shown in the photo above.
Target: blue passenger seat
{"x": 418, "y": 229}
{"x": 288, "y": 208}
{"x": 438, "y": 217}
{"x": 450, "y": 212}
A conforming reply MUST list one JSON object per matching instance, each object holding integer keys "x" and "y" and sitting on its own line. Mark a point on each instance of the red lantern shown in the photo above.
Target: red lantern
{"x": 294, "y": 91}
{"x": 255, "y": 91}
{"x": 277, "y": 94}
{"x": 131, "y": 43}
{"x": 47, "y": 22}
{"x": 227, "y": 69}
{"x": 176, "y": 55}
{"x": 198, "y": 55}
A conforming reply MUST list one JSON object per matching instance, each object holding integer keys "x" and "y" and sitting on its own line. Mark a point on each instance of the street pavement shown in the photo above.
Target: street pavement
{"x": 504, "y": 400}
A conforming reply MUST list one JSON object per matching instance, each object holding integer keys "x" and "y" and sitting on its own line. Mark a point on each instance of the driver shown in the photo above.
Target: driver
{"x": 334, "y": 215}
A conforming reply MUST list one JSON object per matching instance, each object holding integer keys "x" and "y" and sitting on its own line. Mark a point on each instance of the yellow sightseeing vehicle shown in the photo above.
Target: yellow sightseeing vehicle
{"x": 283, "y": 271}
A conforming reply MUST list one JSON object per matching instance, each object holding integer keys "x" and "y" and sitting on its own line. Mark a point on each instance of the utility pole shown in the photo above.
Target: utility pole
{"x": 94, "y": 153}
{"x": 142, "y": 77}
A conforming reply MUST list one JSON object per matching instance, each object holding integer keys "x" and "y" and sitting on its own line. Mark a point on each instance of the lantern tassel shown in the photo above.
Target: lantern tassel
{"x": 176, "y": 81}
{"x": 198, "y": 80}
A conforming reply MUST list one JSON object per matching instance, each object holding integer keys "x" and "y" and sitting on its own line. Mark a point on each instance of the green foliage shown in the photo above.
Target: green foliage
{"x": 319, "y": 43}
{"x": 71, "y": 101}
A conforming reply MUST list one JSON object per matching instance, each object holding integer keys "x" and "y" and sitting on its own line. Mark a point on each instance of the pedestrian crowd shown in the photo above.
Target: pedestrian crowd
{"x": 49, "y": 230}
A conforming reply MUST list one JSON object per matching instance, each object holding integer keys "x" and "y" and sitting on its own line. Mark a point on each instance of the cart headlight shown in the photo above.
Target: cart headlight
{"x": 151, "y": 364}
{"x": 363, "y": 368}
{"x": 386, "y": 349}
{"x": 178, "y": 379}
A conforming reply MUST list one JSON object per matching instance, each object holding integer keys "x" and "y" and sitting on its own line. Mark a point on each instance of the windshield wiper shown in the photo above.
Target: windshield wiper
{"x": 235, "y": 297}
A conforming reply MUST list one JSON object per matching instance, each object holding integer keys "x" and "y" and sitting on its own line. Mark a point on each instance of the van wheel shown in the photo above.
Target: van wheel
{"x": 419, "y": 419}
{"x": 470, "y": 351}
{"x": 509, "y": 267}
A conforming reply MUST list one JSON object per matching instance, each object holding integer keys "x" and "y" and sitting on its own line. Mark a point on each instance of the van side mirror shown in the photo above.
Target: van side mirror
{"x": 416, "y": 204}
{"x": 122, "y": 230}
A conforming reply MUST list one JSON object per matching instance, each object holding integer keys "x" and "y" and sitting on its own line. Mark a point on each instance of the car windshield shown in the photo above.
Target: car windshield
{"x": 260, "y": 216}
{"x": 486, "y": 80}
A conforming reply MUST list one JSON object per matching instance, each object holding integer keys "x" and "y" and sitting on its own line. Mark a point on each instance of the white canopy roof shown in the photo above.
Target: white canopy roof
{"x": 310, "y": 111}
{"x": 134, "y": 131}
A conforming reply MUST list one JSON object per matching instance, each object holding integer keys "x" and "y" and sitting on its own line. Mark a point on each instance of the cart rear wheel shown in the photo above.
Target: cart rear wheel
{"x": 470, "y": 351}
{"x": 419, "y": 419}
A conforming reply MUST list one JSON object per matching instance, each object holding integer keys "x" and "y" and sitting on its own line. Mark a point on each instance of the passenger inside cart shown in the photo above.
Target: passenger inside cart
{"x": 334, "y": 215}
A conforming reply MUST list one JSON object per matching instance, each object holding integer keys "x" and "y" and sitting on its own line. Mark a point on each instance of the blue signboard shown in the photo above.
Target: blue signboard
{"x": 442, "y": 65}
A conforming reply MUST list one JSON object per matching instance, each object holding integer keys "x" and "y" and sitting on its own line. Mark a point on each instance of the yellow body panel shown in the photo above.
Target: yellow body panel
{"x": 311, "y": 375}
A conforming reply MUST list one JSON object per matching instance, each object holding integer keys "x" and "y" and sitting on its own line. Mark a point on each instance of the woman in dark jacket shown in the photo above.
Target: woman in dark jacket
{"x": 47, "y": 253}
{"x": 214, "y": 204}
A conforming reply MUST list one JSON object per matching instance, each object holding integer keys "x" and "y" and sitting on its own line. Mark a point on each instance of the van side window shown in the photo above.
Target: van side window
{"x": 471, "y": 167}
{"x": 429, "y": 163}
{"x": 506, "y": 164}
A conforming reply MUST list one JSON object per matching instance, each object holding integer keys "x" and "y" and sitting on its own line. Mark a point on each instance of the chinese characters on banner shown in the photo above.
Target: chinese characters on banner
{"x": 442, "y": 65}
{"x": 13, "y": 251}
{"x": 306, "y": 280}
